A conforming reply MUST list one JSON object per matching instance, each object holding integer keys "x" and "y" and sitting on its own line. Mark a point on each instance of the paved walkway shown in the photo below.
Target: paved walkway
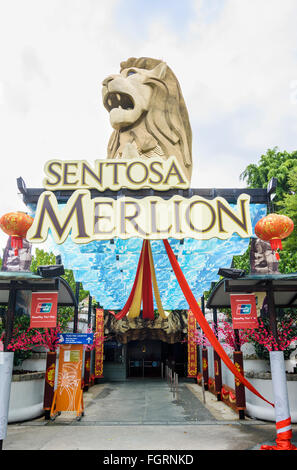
{"x": 144, "y": 415}
{"x": 143, "y": 401}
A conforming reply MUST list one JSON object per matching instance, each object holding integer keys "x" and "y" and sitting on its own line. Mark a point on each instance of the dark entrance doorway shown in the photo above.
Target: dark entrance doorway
{"x": 144, "y": 358}
{"x": 176, "y": 356}
{"x": 148, "y": 358}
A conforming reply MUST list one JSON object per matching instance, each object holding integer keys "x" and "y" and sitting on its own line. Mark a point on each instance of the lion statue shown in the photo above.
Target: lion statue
{"x": 262, "y": 258}
{"x": 148, "y": 113}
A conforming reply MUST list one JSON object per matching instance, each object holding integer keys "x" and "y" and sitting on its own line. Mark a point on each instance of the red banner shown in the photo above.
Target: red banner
{"x": 99, "y": 343}
{"x": 44, "y": 310}
{"x": 203, "y": 322}
{"x": 192, "y": 346}
{"x": 244, "y": 311}
{"x": 125, "y": 310}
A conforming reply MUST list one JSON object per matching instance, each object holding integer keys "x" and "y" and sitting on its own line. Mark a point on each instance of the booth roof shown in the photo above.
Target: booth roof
{"x": 29, "y": 281}
{"x": 284, "y": 288}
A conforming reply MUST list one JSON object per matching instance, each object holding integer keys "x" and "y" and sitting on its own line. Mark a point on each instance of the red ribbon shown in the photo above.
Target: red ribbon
{"x": 125, "y": 310}
{"x": 283, "y": 442}
{"x": 284, "y": 423}
{"x": 193, "y": 305}
{"x": 283, "y": 439}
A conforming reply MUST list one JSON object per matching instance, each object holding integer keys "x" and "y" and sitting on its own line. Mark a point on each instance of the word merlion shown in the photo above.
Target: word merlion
{"x": 148, "y": 113}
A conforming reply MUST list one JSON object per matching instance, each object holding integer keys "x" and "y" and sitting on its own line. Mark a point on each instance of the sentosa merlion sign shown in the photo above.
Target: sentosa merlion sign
{"x": 150, "y": 147}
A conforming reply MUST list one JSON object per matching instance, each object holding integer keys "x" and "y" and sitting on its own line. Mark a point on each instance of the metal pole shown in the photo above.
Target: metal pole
{"x": 203, "y": 389}
{"x": 75, "y": 317}
{"x": 203, "y": 305}
{"x": 279, "y": 383}
{"x": 217, "y": 361}
{"x": 239, "y": 387}
{"x": 272, "y": 313}
{"x": 174, "y": 384}
{"x": 204, "y": 353}
{"x": 90, "y": 312}
{"x": 10, "y": 315}
{"x": 173, "y": 389}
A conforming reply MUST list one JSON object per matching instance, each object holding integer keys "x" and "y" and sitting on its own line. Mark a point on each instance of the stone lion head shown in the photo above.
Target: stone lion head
{"x": 148, "y": 113}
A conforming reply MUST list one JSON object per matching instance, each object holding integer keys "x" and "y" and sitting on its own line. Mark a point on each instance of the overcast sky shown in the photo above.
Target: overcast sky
{"x": 236, "y": 61}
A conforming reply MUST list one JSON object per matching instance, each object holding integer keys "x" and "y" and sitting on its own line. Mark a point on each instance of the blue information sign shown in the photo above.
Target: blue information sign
{"x": 76, "y": 338}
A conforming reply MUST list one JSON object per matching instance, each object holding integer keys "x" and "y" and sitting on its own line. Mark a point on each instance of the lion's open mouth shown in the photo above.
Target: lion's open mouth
{"x": 118, "y": 100}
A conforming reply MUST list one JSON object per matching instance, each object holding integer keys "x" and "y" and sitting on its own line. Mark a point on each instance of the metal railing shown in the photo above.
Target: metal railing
{"x": 172, "y": 380}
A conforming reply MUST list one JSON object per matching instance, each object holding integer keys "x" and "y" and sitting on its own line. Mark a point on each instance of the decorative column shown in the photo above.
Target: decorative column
{"x": 49, "y": 384}
{"x": 205, "y": 367}
{"x": 282, "y": 410}
{"x": 239, "y": 387}
{"x": 217, "y": 362}
{"x": 99, "y": 343}
{"x": 192, "y": 346}
{"x": 87, "y": 370}
{"x": 217, "y": 374}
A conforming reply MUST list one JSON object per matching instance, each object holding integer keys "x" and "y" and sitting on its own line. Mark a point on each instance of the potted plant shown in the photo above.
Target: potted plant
{"x": 260, "y": 377}
{"x": 28, "y": 401}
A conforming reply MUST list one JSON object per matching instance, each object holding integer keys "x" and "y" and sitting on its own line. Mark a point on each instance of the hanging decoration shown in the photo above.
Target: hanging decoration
{"x": 274, "y": 228}
{"x": 16, "y": 224}
{"x": 192, "y": 346}
{"x": 142, "y": 291}
{"x": 99, "y": 343}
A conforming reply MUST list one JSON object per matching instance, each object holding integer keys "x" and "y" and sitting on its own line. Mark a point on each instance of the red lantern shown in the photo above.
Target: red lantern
{"x": 274, "y": 228}
{"x": 16, "y": 224}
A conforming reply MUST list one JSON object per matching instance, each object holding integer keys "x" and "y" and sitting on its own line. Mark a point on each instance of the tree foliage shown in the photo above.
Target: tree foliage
{"x": 283, "y": 166}
{"x": 288, "y": 206}
{"x": 273, "y": 164}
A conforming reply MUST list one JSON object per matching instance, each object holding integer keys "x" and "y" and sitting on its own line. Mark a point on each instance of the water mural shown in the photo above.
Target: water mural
{"x": 107, "y": 268}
